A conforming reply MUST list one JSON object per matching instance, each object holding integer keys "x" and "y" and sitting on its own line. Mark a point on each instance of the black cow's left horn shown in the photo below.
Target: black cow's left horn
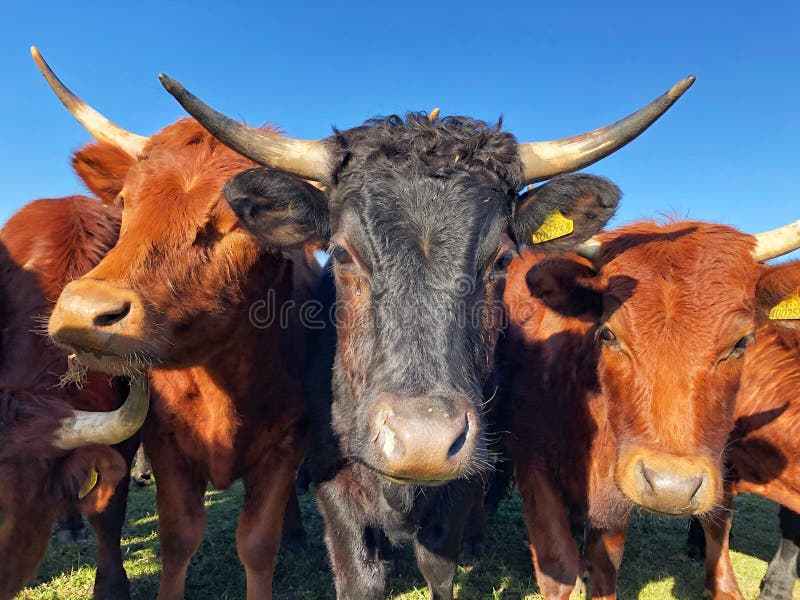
{"x": 543, "y": 160}
{"x": 307, "y": 158}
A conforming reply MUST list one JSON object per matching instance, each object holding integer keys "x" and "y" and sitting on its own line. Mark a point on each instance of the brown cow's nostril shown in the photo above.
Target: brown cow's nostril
{"x": 648, "y": 475}
{"x": 456, "y": 446}
{"x": 113, "y": 315}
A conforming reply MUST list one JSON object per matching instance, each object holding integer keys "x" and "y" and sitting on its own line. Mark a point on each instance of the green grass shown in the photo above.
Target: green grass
{"x": 655, "y": 565}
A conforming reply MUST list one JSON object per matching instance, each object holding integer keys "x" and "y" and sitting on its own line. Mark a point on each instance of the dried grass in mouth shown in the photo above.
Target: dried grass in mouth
{"x": 75, "y": 373}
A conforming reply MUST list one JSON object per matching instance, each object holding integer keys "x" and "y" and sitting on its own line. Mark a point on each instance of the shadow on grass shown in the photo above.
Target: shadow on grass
{"x": 655, "y": 564}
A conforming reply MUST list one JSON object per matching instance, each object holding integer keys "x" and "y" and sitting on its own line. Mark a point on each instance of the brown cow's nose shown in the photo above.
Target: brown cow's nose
{"x": 424, "y": 441}
{"x": 670, "y": 492}
{"x": 98, "y": 316}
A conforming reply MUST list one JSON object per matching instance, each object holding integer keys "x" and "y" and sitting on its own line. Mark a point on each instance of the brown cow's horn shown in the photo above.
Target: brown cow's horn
{"x": 775, "y": 243}
{"x": 110, "y": 428}
{"x": 589, "y": 249}
{"x": 543, "y": 160}
{"x": 434, "y": 114}
{"x": 307, "y": 158}
{"x": 96, "y": 124}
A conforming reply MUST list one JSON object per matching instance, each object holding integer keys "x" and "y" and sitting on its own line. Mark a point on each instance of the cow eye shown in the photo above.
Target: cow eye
{"x": 607, "y": 337}
{"x": 502, "y": 262}
{"x": 500, "y": 266}
{"x": 341, "y": 256}
{"x": 740, "y": 346}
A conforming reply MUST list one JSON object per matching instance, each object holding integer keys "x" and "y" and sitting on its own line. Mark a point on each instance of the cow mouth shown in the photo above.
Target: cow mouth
{"x": 400, "y": 480}
{"x": 112, "y": 364}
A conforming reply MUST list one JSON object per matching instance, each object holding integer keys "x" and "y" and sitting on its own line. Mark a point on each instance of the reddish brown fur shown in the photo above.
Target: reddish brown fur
{"x": 678, "y": 297}
{"x": 765, "y": 444}
{"x": 45, "y": 245}
{"x": 226, "y": 399}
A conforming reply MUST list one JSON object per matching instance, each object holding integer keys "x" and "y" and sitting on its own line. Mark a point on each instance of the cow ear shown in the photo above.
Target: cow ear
{"x": 279, "y": 208}
{"x": 103, "y": 169}
{"x": 569, "y": 286}
{"x": 778, "y": 295}
{"x": 89, "y": 476}
{"x": 564, "y": 212}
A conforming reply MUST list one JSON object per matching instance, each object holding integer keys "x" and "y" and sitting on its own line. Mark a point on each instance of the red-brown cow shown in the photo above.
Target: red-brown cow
{"x": 187, "y": 292}
{"x": 48, "y": 463}
{"x": 622, "y": 374}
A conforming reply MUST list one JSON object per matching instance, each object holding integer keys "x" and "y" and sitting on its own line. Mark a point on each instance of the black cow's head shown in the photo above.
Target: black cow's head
{"x": 421, "y": 217}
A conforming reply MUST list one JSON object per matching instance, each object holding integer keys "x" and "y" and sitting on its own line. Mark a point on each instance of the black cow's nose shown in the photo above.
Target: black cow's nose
{"x": 668, "y": 491}
{"x": 423, "y": 441}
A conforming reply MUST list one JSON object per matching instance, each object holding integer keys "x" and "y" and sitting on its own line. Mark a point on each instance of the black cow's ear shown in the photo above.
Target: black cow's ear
{"x": 279, "y": 208}
{"x": 564, "y": 212}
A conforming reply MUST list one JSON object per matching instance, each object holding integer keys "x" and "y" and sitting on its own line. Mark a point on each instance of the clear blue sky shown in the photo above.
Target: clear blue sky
{"x": 728, "y": 151}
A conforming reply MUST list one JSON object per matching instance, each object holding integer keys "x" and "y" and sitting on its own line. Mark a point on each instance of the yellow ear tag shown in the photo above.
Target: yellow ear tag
{"x": 555, "y": 226}
{"x": 786, "y": 309}
{"x": 88, "y": 485}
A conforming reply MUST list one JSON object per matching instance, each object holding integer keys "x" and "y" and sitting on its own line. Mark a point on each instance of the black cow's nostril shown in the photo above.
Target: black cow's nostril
{"x": 456, "y": 446}
{"x": 113, "y": 315}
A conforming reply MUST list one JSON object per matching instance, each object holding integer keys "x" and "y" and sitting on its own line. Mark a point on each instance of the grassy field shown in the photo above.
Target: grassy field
{"x": 655, "y": 565}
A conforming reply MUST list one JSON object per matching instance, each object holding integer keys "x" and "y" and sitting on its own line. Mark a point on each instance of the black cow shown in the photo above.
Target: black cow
{"x": 422, "y": 216}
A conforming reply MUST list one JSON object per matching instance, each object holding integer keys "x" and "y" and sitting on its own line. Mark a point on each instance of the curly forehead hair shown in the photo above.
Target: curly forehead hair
{"x": 439, "y": 148}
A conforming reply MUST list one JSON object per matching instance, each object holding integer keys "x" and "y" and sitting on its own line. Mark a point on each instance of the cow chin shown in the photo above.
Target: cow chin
{"x": 668, "y": 484}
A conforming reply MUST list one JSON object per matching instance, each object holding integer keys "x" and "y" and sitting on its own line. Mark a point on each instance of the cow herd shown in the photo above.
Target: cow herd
{"x": 471, "y": 329}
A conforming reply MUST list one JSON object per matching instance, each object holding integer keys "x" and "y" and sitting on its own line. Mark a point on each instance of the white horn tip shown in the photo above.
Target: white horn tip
{"x": 679, "y": 88}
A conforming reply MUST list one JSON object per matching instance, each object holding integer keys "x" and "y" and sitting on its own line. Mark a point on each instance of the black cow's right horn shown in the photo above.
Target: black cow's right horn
{"x": 307, "y": 158}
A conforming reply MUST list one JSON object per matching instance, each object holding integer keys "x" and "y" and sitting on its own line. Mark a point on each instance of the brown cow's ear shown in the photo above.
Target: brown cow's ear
{"x": 89, "y": 476}
{"x": 279, "y": 208}
{"x": 778, "y": 295}
{"x": 103, "y": 169}
{"x": 569, "y": 286}
{"x": 564, "y": 212}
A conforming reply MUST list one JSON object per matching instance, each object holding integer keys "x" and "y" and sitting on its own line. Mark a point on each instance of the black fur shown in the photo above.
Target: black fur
{"x": 426, "y": 208}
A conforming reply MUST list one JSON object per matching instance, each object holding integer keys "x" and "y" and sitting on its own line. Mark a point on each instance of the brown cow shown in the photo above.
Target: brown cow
{"x": 45, "y": 468}
{"x": 187, "y": 292}
{"x": 622, "y": 374}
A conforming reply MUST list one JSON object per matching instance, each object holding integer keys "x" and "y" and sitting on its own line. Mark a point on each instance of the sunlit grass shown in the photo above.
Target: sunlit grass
{"x": 655, "y": 565}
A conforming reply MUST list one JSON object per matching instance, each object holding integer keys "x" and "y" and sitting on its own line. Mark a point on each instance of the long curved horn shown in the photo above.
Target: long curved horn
{"x": 543, "y": 160}
{"x": 110, "y": 428}
{"x": 775, "y": 243}
{"x": 96, "y": 124}
{"x": 309, "y": 159}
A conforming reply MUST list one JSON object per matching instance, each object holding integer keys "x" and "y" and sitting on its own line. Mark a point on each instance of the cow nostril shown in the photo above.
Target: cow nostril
{"x": 113, "y": 316}
{"x": 695, "y": 484}
{"x": 647, "y": 475}
{"x": 458, "y": 444}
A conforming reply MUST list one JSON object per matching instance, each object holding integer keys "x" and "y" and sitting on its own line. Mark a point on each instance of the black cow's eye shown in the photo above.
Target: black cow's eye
{"x": 341, "y": 256}
{"x": 500, "y": 266}
{"x": 502, "y": 262}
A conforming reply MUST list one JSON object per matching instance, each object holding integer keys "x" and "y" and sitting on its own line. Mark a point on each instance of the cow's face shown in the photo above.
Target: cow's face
{"x": 39, "y": 481}
{"x": 170, "y": 285}
{"x": 421, "y": 236}
{"x": 675, "y": 312}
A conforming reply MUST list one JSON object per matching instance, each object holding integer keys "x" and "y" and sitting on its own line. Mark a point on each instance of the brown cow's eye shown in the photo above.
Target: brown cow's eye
{"x": 341, "y": 256}
{"x": 607, "y": 337}
{"x": 740, "y": 346}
